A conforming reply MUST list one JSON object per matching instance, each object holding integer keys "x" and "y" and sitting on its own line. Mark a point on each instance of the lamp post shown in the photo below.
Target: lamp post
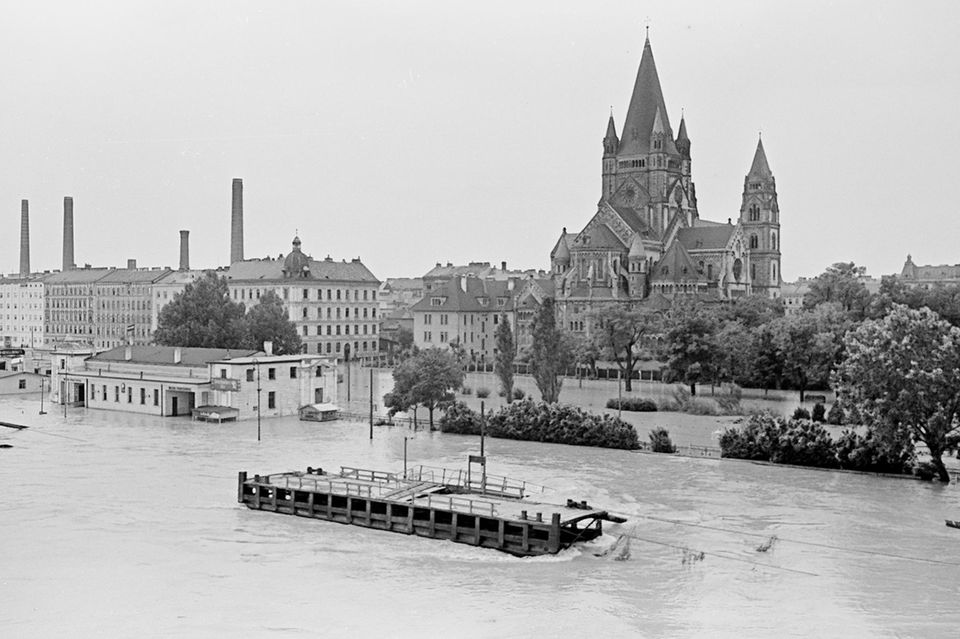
{"x": 257, "y": 364}
{"x": 42, "y": 412}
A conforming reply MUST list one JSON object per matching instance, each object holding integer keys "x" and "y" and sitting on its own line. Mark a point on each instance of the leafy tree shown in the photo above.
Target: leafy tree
{"x": 585, "y": 353}
{"x": 767, "y": 359}
{"x": 621, "y": 331}
{"x": 268, "y": 322}
{"x": 503, "y": 360}
{"x": 405, "y": 339}
{"x": 810, "y": 345}
{"x": 735, "y": 352}
{"x": 691, "y": 348}
{"x": 428, "y": 379}
{"x": 841, "y": 284}
{"x": 903, "y": 374}
{"x": 752, "y": 311}
{"x": 203, "y": 315}
{"x": 550, "y": 353}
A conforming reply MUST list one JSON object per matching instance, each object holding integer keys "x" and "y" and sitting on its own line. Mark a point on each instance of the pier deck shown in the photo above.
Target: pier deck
{"x": 495, "y": 515}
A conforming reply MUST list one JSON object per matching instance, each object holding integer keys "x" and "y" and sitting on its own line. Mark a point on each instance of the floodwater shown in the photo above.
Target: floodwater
{"x": 117, "y": 525}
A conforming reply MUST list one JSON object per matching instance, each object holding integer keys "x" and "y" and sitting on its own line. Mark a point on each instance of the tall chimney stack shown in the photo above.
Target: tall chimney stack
{"x": 184, "y": 250}
{"x": 24, "y": 238}
{"x": 68, "y": 262}
{"x": 236, "y": 222}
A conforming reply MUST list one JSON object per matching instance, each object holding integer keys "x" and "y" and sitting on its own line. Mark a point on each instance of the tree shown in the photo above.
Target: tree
{"x": 841, "y": 284}
{"x": 405, "y": 339}
{"x": 203, "y": 315}
{"x": 903, "y": 373}
{"x": 767, "y": 359}
{"x": 503, "y": 360}
{"x": 621, "y": 331}
{"x": 426, "y": 379}
{"x": 690, "y": 346}
{"x": 810, "y": 344}
{"x": 268, "y": 322}
{"x": 550, "y": 353}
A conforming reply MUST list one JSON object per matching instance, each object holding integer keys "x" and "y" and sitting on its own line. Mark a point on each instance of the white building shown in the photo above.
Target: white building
{"x": 21, "y": 312}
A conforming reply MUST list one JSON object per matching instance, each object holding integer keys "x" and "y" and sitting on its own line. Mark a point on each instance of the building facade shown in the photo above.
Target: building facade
{"x": 22, "y": 312}
{"x": 929, "y": 276}
{"x": 647, "y": 237}
{"x": 333, "y": 304}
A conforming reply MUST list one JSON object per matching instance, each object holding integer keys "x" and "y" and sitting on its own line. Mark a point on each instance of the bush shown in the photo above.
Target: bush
{"x": 530, "y": 421}
{"x": 466, "y": 390}
{"x": 460, "y": 418}
{"x": 684, "y": 402}
{"x": 853, "y": 416}
{"x": 483, "y": 392}
{"x": 819, "y": 413}
{"x": 660, "y": 441}
{"x": 835, "y": 415}
{"x": 633, "y": 404}
{"x": 869, "y": 453}
{"x": 801, "y": 413}
{"x": 518, "y": 393}
{"x": 926, "y": 471}
{"x": 774, "y": 439}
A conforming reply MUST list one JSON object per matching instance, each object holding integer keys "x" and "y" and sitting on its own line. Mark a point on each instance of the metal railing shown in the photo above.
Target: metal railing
{"x": 462, "y": 504}
{"x": 474, "y": 481}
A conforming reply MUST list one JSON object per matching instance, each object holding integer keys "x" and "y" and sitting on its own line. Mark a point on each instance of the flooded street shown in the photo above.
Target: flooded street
{"x": 128, "y": 525}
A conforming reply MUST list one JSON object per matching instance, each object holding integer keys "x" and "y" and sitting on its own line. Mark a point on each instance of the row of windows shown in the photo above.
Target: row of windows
{"x": 341, "y": 294}
{"x": 346, "y": 313}
{"x": 346, "y": 329}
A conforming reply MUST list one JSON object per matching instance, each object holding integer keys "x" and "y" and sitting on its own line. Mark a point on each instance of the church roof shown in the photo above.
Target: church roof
{"x": 714, "y": 237}
{"x": 635, "y": 220}
{"x": 561, "y": 251}
{"x": 676, "y": 265}
{"x": 682, "y": 133}
{"x": 611, "y": 129}
{"x": 760, "y": 168}
{"x": 646, "y": 100}
{"x": 598, "y": 236}
{"x": 636, "y": 247}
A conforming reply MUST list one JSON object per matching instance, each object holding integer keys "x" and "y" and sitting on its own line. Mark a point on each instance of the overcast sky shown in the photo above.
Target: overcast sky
{"x": 421, "y": 132}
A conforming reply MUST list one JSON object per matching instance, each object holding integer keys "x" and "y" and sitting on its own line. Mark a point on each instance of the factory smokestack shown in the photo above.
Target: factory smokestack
{"x": 24, "y": 238}
{"x": 184, "y": 250}
{"x": 236, "y": 222}
{"x": 68, "y": 262}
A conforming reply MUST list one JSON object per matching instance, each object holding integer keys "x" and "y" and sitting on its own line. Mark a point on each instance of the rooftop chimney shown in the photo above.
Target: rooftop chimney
{"x": 184, "y": 250}
{"x": 236, "y": 222}
{"x": 268, "y": 348}
{"x": 24, "y": 238}
{"x": 132, "y": 264}
{"x": 68, "y": 262}
{"x": 128, "y": 353}
{"x": 503, "y": 265}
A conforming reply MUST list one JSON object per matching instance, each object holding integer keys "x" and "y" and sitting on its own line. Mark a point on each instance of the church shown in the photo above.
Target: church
{"x": 647, "y": 243}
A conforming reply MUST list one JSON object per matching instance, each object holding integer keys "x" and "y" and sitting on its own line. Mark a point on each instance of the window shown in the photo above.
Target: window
{"x": 104, "y": 392}
{"x": 428, "y": 319}
{"x": 116, "y": 393}
{"x": 143, "y": 396}
{"x": 293, "y": 372}
{"x": 223, "y": 373}
{"x": 271, "y": 373}
{"x": 21, "y": 384}
{"x": 329, "y": 345}
{"x": 754, "y": 242}
{"x": 306, "y": 293}
{"x": 346, "y": 312}
{"x": 304, "y": 309}
{"x": 319, "y": 371}
{"x": 156, "y": 397}
{"x": 306, "y": 329}
{"x": 338, "y": 293}
{"x": 443, "y": 337}
{"x": 130, "y": 395}
{"x": 753, "y": 271}
{"x": 249, "y": 374}
{"x": 271, "y": 399}
{"x": 427, "y": 336}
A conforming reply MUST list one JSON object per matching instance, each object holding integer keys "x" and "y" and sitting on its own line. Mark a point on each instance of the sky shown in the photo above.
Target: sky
{"x": 420, "y": 132}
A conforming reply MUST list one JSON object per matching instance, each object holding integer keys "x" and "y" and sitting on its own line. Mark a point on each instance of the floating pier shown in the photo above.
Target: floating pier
{"x": 455, "y": 505}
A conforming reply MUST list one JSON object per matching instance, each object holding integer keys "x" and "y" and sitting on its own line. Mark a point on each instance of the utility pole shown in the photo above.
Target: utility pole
{"x": 371, "y": 403}
{"x": 257, "y": 364}
{"x": 42, "y": 412}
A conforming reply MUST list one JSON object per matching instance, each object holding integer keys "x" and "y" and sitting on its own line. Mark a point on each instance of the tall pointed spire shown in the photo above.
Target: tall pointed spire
{"x": 610, "y": 140}
{"x": 683, "y": 142}
{"x": 646, "y": 99}
{"x": 760, "y": 168}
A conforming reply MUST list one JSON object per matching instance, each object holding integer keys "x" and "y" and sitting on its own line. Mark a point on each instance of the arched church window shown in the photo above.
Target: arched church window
{"x": 774, "y": 271}
{"x": 710, "y": 271}
{"x": 753, "y": 271}
{"x": 754, "y": 213}
{"x": 773, "y": 241}
{"x": 754, "y": 242}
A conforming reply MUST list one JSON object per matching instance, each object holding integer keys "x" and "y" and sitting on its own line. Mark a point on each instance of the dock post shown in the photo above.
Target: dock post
{"x": 241, "y": 477}
{"x": 553, "y": 541}
{"x": 389, "y": 516}
{"x": 500, "y": 530}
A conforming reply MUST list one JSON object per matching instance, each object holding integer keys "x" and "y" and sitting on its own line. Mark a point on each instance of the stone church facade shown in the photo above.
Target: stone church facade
{"x": 647, "y": 243}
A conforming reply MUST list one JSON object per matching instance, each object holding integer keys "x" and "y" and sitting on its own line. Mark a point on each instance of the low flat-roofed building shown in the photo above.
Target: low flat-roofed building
{"x": 20, "y": 382}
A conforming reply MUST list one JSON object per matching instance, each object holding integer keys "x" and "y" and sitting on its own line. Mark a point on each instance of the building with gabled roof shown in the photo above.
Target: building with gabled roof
{"x": 647, "y": 235}
{"x": 332, "y": 303}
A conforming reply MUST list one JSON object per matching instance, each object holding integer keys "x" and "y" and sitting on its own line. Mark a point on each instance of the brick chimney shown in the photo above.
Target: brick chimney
{"x": 236, "y": 222}
{"x": 24, "y": 238}
{"x": 132, "y": 264}
{"x": 68, "y": 262}
{"x": 184, "y": 250}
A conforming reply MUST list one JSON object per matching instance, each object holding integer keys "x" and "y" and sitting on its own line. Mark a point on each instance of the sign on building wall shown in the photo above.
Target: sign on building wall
{"x": 221, "y": 384}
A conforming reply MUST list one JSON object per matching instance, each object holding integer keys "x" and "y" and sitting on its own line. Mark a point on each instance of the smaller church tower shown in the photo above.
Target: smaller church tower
{"x": 683, "y": 146}
{"x": 760, "y": 219}
{"x": 610, "y": 145}
{"x": 637, "y": 269}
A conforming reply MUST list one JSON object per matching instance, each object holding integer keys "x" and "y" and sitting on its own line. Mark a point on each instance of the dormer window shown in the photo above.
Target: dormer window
{"x": 501, "y": 302}
{"x": 483, "y": 301}
{"x": 436, "y": 301}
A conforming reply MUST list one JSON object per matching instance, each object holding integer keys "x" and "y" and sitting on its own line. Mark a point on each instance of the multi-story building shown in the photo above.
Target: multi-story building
{"x": 930, "y": 275}
{"x": 21, "y": 312}
{"x": 439, "y": 275}
{"x": 399, "y": 293}
{"x": 333, "y": 304}
{"x": 647, "y": 239}
{"x": 106, "y": 307}
{"x": 466, "y": 311}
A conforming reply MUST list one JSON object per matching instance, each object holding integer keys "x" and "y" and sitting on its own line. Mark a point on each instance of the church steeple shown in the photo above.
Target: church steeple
{"x": 610, "y": 140}
{"x": 760, "y": 169}
{"x": 683, "y": 142}
{"x": 760, "y": 220}
{"x": 646, "y": 100}
{"x": 609, "y": 172}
